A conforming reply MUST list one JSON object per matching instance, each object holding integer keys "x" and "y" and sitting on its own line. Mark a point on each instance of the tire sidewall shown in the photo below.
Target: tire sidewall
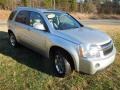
{"x": 10, "y": 35}
{"x": 67, "y": 65}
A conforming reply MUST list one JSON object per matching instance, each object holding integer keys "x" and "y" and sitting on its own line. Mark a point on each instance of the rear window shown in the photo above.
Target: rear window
{"x": 12, "y": 15}
{"x": 23, "y": 17}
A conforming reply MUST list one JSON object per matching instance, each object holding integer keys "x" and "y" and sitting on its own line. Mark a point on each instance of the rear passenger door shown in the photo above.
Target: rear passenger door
{"x": 11, "y": 24}
{"x": 22, "y": 22}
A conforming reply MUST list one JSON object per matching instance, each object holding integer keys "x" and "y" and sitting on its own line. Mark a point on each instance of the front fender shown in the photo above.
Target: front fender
{"x": 70, "y": 47}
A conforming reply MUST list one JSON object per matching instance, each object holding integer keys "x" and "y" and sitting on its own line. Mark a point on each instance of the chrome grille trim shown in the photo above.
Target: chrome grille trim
{"x": 107, "y": 48}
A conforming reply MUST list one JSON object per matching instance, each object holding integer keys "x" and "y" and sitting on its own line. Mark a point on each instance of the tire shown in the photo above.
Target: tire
{"x": 61, "y": 63}
{"x": 12, "y": 40}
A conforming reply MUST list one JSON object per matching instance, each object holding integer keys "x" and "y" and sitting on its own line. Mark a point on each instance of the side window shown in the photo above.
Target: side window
{"x": 37, "y": 21}
{"x": 12, "y": 15}
{"x": 23, "y": 17}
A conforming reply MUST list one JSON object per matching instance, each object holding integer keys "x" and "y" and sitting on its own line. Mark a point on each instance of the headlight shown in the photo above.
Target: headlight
{"x": 92, "y": 51}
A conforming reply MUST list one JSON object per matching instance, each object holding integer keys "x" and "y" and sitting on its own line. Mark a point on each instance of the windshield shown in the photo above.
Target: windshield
{"x": 62, "y": 21}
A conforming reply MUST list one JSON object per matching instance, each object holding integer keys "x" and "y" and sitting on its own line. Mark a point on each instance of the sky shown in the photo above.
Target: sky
{"x": 80, "y": 0}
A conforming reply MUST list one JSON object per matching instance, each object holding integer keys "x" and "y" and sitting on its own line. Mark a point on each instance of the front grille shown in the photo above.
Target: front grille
{"x": 107, "y": 48}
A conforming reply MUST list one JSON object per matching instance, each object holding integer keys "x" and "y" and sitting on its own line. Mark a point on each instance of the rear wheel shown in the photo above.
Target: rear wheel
{"x": 12, "y": 40}
{"x": 61, "y": 63}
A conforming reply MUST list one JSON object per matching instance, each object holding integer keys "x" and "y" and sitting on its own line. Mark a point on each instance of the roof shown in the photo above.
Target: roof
{"x": 40, "y": 9}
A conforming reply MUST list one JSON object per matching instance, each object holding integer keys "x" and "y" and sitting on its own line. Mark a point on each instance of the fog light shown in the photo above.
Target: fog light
{"x": 97, "y": 65}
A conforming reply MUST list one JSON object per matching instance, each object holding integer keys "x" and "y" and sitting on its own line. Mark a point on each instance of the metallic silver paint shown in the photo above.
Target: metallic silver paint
{"x": 69, "y": 40}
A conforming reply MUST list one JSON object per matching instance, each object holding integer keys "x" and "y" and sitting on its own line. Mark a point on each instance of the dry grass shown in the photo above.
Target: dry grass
{"x": 94, "y": 16}
{"x": 81, "y": 15}
{"x": 107, "y": 28}
{"x": 3, "y": 28}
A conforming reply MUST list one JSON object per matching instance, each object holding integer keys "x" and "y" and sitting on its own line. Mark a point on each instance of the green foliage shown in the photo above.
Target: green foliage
{"x": 73, "y": 5}
{"x": 25, "y": 2}
{"x": 62, "y": 4}
{"x": 48, "y": 3}
{"x": 2, "y": 3}
{"x": 68, "y": 5}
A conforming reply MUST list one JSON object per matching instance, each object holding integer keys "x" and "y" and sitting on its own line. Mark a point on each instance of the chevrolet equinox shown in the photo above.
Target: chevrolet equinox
{"x": 61, "y": 38}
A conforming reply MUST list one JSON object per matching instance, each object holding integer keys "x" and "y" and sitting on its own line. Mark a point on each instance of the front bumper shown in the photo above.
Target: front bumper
{"x": 92, "y": 66}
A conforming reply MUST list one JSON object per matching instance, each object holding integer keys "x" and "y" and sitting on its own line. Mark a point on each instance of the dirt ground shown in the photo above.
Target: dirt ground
{"x": 4, "y": 14}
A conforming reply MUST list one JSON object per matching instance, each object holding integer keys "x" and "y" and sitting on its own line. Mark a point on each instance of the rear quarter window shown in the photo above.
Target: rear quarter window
{"x": 23, "y": 17}
{"x": 12, "y": 15}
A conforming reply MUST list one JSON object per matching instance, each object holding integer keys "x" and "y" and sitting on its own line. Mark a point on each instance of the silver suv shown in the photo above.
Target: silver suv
{"x": 60, "y": 37}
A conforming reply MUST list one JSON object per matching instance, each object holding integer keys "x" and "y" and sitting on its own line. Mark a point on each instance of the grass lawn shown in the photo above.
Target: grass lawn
{"x": 23, "y": 69}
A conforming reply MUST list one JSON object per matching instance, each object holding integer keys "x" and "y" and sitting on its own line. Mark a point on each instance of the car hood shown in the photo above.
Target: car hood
{"x": 84, "y": 35}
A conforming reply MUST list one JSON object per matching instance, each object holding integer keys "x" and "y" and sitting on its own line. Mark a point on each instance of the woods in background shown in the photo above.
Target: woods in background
{"x": 82, "y": 6}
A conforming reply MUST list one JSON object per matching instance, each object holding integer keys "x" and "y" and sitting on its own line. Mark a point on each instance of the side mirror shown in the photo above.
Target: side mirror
{"x": 39, "y": 26}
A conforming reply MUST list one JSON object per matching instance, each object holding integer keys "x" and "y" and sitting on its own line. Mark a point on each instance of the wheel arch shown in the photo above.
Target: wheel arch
{"x": 71, "y": 60}
{"x": 10, "y": 31}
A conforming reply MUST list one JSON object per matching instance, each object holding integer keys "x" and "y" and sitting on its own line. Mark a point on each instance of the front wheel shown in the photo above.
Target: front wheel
{"x": 61, "y": 64}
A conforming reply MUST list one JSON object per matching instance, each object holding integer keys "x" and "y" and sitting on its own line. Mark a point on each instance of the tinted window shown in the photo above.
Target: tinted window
{"x": 35, "y": 18}
{"x": 12, "y": 15}
{"x": 23, "y": 17}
